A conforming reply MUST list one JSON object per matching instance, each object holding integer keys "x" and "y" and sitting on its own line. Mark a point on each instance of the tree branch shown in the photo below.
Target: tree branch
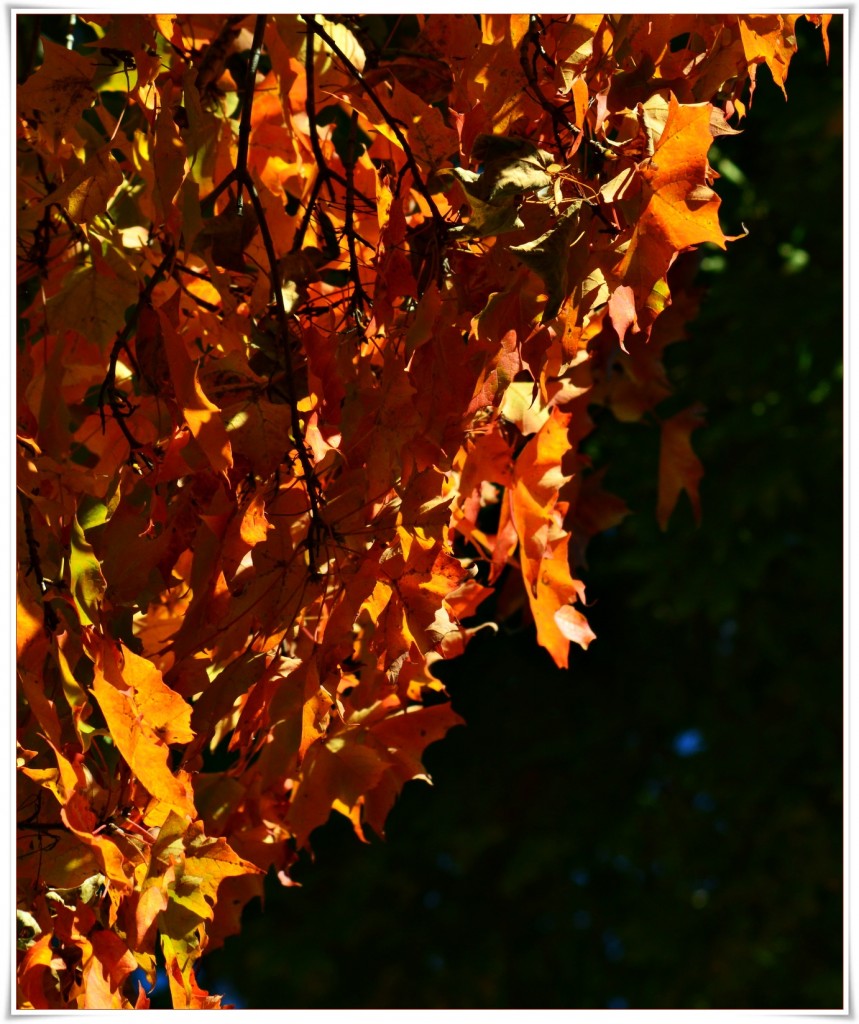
{"x": 108, "y": 392}
{"x": 242, "y": 177}
{"x": 247, "y": 107}
{"x": 359, "y": 296}
{"x": 314, "y": 493}
{"x": 316, "y": 188}
{"x": 50, "y": 616}
{"x": 310, "y": 107}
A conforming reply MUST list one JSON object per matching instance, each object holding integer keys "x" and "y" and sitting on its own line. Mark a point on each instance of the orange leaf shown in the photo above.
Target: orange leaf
{"x": 768, "y": 39}
{"x": 58, "y": 93}
{"x": 543, "y": 543}
{"x": 113, "y": 957}
{"x": 675, "y": 207}
{"x": 406, "y": 736}
{"x": 169, "y": 162}
{"x": 143, "y": 715}
{"x": 37, "y": 961}
{"x": 86, "y": 193}
{"x": 201, "y": 415}
{"x": 255, "y": 526}
{"x": 340, "y": 769}
{"x": 537, "y": 479}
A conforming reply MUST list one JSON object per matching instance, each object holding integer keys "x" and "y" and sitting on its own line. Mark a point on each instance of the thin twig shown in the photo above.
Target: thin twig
{"x": 313, "y": 491}
{"x": 310, "y": 107}
{"x": 50, "y": 616}
{"x": 359, "y": 296}
{"x": 298, "y": 241}
{"x": 119, "y": 405}
{"x": 247, "y": 107}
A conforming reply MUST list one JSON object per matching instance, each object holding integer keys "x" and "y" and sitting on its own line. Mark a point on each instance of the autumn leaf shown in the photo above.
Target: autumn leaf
{"x": 675, "y": 207}
{"x": 548, "y": 256}
{"x": 88, "y": 583}
{"x": 338, "y": 770}
{"x": 201, "y": 415}
{"x": 94, "y": 297}
{"x": 537, "y": 479}
{"x": 767, "y": 39}
{"x": 58, "y": 93}
{"x": 87, "y": 192}
{"x": 201, "y": 864}
{"x": 144, "y": 716}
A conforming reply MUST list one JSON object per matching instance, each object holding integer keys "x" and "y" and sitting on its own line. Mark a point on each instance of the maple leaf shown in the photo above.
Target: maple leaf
{"x": 144, "y": 716}
{"x": 88, "y": 583}
{"x": 57, "y": 95}
{"x": 769, "y": 39}
{"x": 674, "y": 206}
{"x": 200, "y": 414}
{"x": 537, "y": 479}
{"x": 87, "y": 192}
{"x": 548, "y": 256}
{"x": 93, "y": 298}
{"x": 201, "y": 864}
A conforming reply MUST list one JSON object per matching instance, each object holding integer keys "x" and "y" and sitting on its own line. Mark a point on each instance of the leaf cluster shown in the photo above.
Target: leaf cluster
{"x": 311, "y": 318}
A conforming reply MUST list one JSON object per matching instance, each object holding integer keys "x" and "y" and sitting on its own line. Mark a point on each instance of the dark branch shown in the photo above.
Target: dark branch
{"x": 313, "y": 490}
{"x": 50, "y": 616}
{"x": 119, "y": 404}
{"x": 298, "y": 241}
{"x": 213, "y": 60}
{"x": 359, "y": 296}
{"x": 310, "y": 106}
{"x": 247, "y": 107}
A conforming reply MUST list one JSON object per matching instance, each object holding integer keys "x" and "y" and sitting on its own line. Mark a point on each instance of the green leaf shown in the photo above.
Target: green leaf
{"x": 94, "y": 511}
{"x": 94, "y": 298}
{"x": 547, "y": 256}
{"x": 88, "y": 584}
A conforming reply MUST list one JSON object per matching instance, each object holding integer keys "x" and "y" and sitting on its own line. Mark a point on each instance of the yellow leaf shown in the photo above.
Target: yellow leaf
{"x": 94, "y": 298}
{"x": 201, "y": 415}
{"x": 87, "y": 193}
{"x": 143, "y": 715}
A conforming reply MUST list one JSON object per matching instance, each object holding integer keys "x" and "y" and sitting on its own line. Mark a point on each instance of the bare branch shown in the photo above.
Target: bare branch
{"x": 108, "y": 392}
{"x": 247, "y": 107}
{"x": 50, "y": 616}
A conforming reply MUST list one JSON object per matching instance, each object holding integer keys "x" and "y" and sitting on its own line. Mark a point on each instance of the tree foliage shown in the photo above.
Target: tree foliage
{"x": 312, "y": 311}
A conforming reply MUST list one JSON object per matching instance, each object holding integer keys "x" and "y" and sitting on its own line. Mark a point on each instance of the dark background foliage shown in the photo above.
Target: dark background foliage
{"x": 660, "y": 826}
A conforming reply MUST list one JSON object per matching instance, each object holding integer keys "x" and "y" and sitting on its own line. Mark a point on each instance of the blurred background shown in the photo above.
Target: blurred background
{"x": 661, "y": 825}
